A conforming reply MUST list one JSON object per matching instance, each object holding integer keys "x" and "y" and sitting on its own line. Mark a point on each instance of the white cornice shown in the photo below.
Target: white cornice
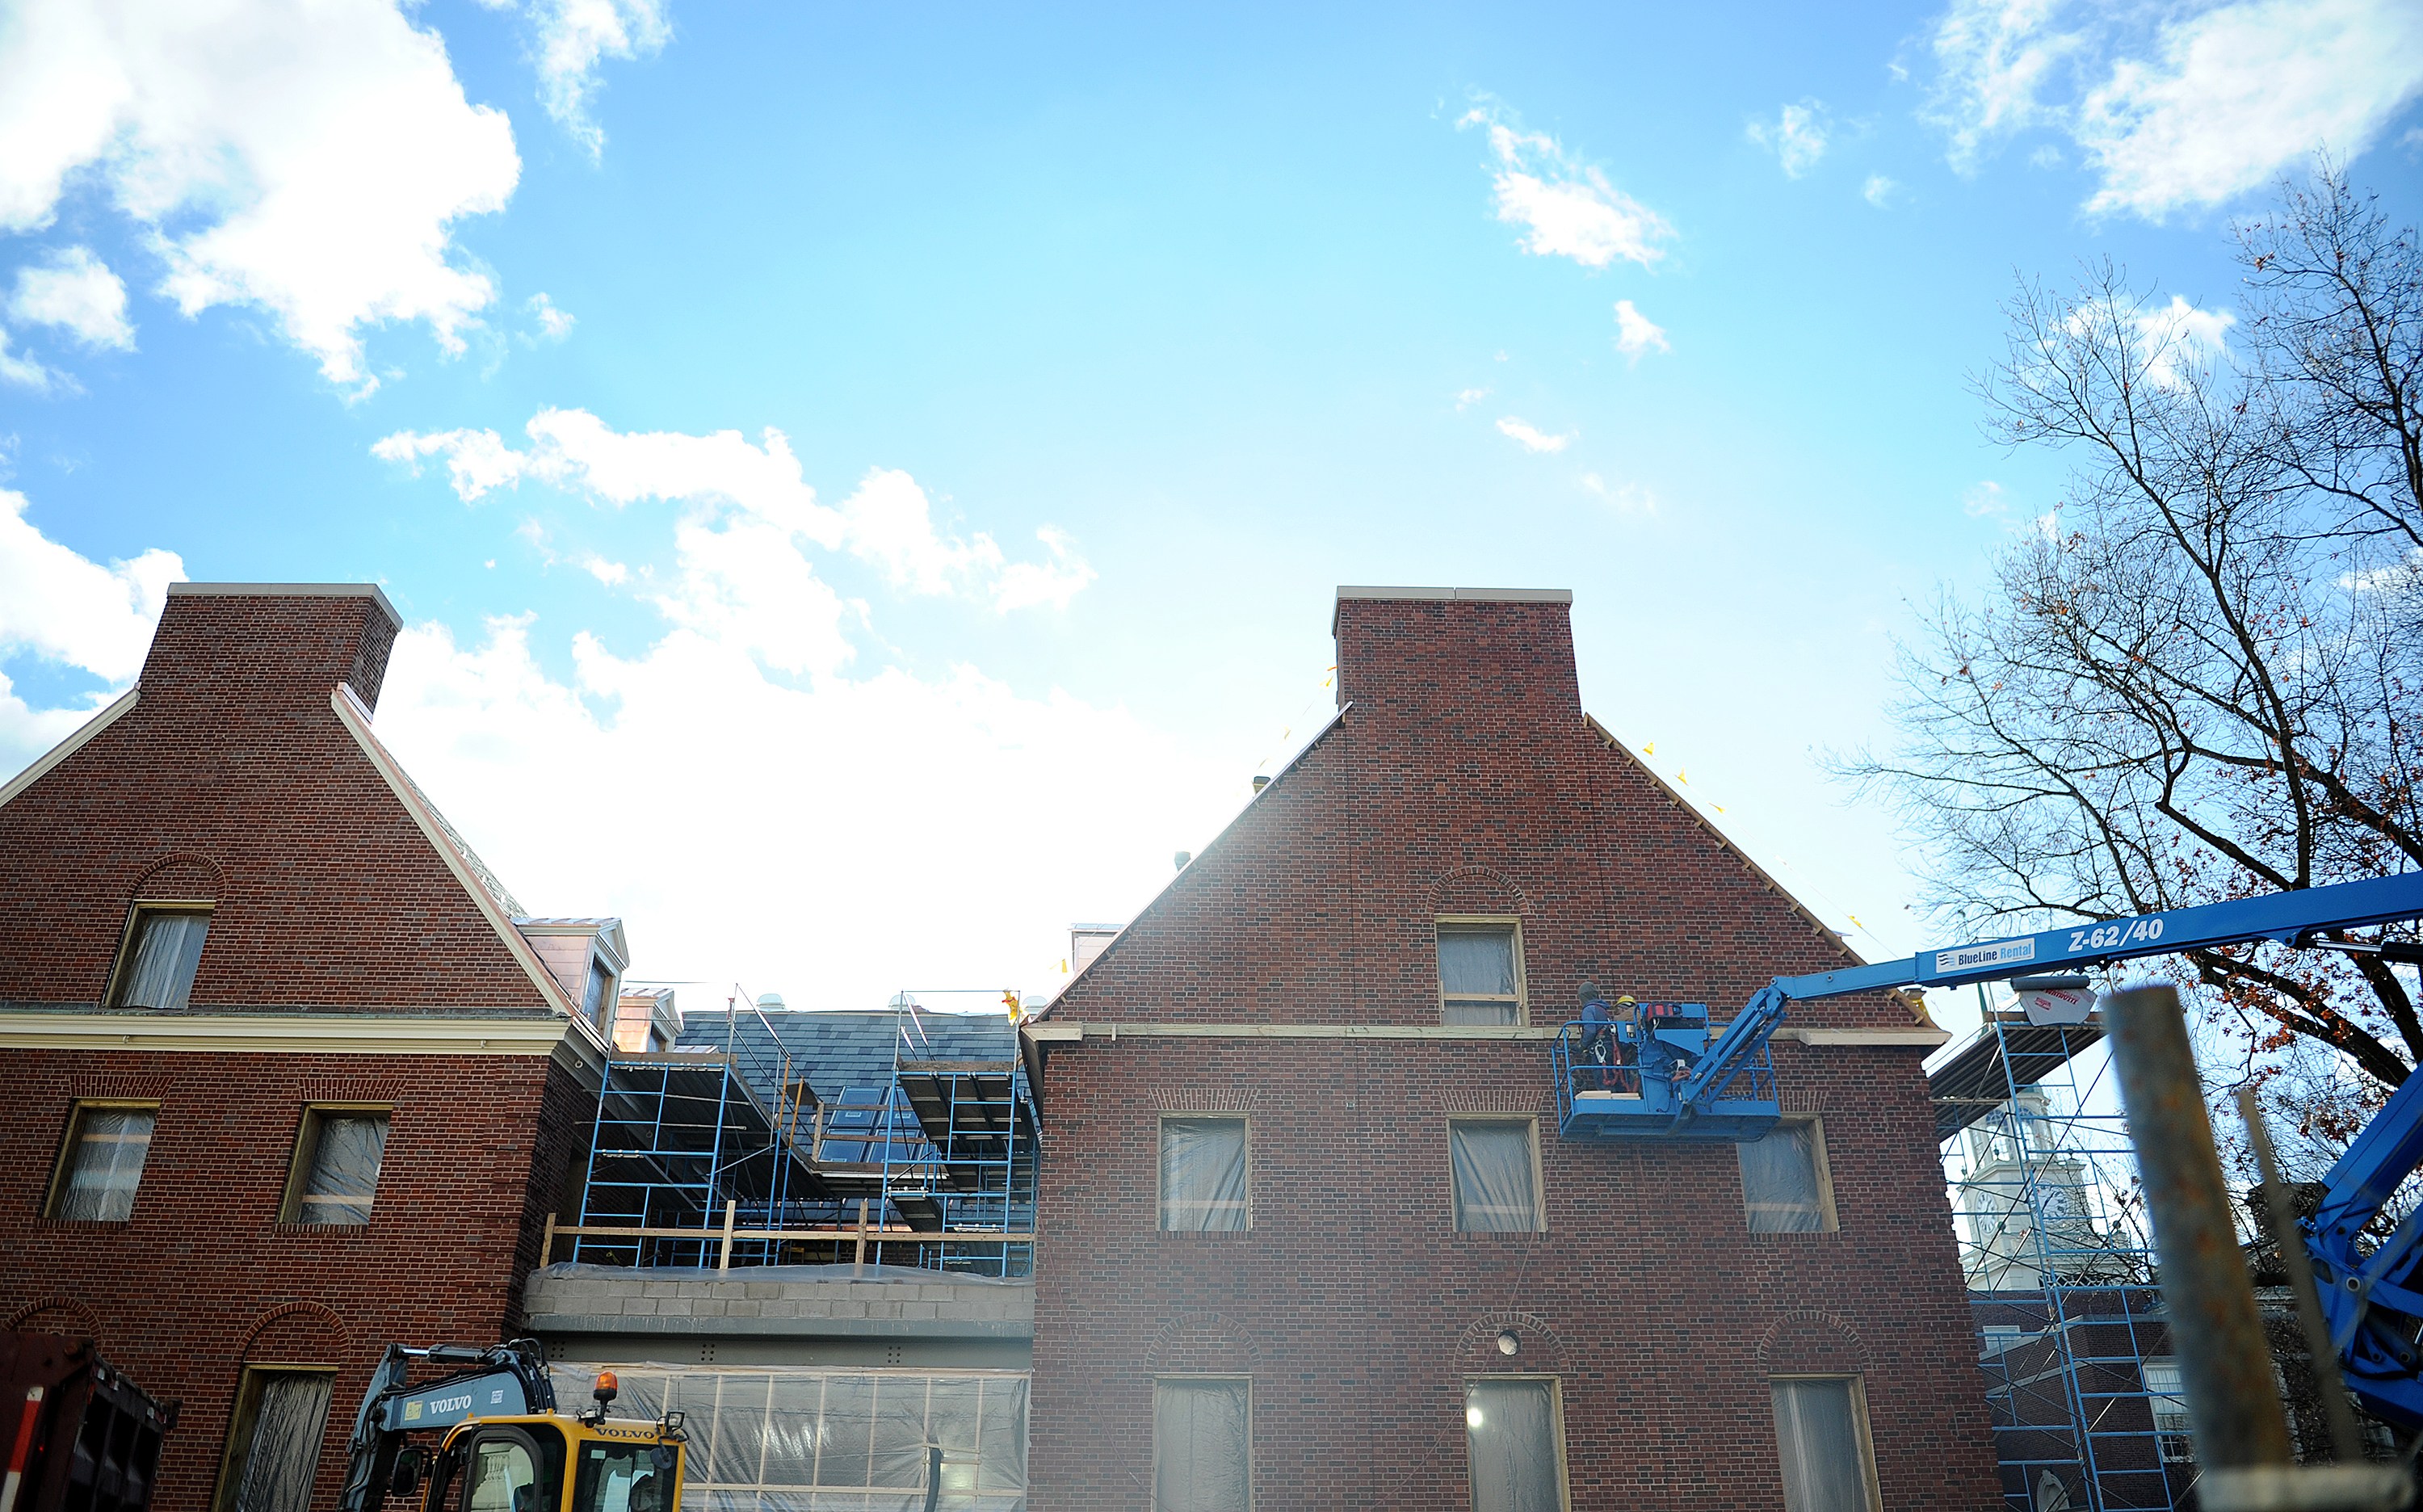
{"x": 267, "y": 1034}
{"x": 67, "y": 747}
{"x": 291, "y": 590}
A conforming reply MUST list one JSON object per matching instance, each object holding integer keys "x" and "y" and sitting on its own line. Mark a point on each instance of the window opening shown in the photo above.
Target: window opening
{"x": 1203, "y": 1174}
{"x": 101, "y": 1164}
{"x": 164, "y": 949}
{"x": 1515, "y": 1444}
{"x": 2166, "y": 1395}
{"x": 1783, "y": 1180}
{"x": 274, "y": 1445}
{"x": 1821, "y": 1432}
{"x": 1202, "y": 1443}
{"x": 1496, "y": 1165}
{"x": 597, "y": 996}
{"x": 1481, "y": 971}
{"x": 336, "y": 1156}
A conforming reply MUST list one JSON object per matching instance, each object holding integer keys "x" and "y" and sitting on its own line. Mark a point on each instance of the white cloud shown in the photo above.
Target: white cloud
{"x": 308, "y": 159}
{"x": 785, "y": 821}
{"x": 78, "y": 292}
{"x": 1634, "y": 334}
{"x": 572, "y": 35}
{"x": 2242, "y": 92}
{"x": 1468, "y": 398}
{"x": 1532, "y": 438}
{"x": 1878, "y": 191}
{"x": 612, "y": 574}
{"x": 1798, "y": 136}
{"x": 1627, "y": 497}
{"x": 2177, "y": 108}
{"x": 1985, "y": 501}
{"x": 61, "y": 608}
{"x": 887, "y": 521}
{"x": 27, "y": 373}
{"x": 1568, "y": 209}
{"x": 554, "y": 323}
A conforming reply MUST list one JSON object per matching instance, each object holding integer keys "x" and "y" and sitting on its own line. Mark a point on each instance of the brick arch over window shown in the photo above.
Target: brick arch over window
{"x": 299, "y": 1333}
{"x": 1539, "y": 1351}
{"x": 1200, "y": 1343}
{"x": 1478, "y": 890}
{"x": 57, "y": 1315}
{"x": 1812, "y": 1343}
{"x": 181, "y": 875}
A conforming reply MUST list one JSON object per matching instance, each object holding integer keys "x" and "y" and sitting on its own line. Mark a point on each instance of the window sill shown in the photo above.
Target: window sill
{"x": 1203, "y": 1233}
{"x": 286, "y": 1227}
{"x": 84, "y": 1223}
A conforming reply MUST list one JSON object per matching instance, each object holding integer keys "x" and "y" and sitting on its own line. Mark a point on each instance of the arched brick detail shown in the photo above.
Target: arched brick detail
{"x": 1192, "y": 1342}
{"x": 180, "y": 874}
{"x": 56, "y": 1314}
{"x": 1812, "y": 1341}
{"x": 1478, "y": 890}
{"x": 297, "y": 1332}
{"x": 1542, "y": 1352}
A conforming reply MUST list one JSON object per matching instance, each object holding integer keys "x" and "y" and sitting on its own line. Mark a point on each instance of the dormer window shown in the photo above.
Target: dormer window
{"x": 163, "y": 950}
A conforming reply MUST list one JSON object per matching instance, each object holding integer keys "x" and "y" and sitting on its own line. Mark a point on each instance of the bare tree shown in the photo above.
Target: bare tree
{"x": 2198, "y": 678}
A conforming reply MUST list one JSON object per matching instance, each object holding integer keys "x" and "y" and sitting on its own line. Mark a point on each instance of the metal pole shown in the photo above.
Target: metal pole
{"x": 2346, "y": 1441}
{"x": 2209, "y": 1301}
{"x": 2225, "y": 1361}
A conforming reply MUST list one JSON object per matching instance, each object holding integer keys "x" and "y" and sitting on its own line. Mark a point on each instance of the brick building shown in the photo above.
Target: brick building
{"x": 1310, "y": 1236}
{"x": 287, "y": 1080}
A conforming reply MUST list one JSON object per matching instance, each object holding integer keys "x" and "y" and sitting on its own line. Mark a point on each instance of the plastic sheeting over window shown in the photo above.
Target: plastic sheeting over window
{"x": 1203, "y": 1174}
{"x": 106, "y": 1164}
{"x": 1493, "y": 1190}
{"x": 820, "y": 1440}
{"x": 343, "y": 1178}
{"x": 1779, "y": 1183}
{"x": 1511, "y": 1443}
{"x": 1477, "y": 976}
{"x": 1202, "y": 1449}
{"x": 167, "y": 952}
{"x": 1819, "y": 1434}
{"x": 281, "y": 1450}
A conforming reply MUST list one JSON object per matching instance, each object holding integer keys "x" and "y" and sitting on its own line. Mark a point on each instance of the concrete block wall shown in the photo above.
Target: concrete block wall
{"x": 1466, "y": 779}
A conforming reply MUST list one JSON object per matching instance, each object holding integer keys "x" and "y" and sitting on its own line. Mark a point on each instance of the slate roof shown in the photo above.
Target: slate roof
{"x": 835, "y": 1050}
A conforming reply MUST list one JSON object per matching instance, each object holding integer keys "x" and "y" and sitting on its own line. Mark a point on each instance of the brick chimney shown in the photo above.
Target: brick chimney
{"x": 280, "y": 646}
{"x": 1480, "y": 662}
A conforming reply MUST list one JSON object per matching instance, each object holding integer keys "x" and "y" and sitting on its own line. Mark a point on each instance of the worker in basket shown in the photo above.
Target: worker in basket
{"x": 1598, "y": 1050}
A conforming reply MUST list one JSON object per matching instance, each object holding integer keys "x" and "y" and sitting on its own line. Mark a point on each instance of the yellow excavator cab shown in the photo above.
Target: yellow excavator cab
{"x": 546, "y": 1462}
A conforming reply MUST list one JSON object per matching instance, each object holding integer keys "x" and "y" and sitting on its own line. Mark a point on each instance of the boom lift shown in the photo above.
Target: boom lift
{"x": 1658, "y": 1073}
{"x": 501, "y": 1443}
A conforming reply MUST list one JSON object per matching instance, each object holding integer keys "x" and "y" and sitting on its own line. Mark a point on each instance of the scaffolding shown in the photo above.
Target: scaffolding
{"x": 2057, "y": 1257}
{"x": 724, "y": 1152}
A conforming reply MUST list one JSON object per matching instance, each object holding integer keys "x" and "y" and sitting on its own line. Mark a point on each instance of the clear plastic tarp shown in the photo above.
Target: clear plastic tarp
{"x": 1202, "y": 1454}
{"x": 782, "y": 1439}
{"x": 1203, "y": 1174}
{"x": 1818, "y": 1430}
{"x": 281, "y": 1451}
{"x": 1780, "y": 1181}
{"x": 111, "y": 1144}
{"x": 167, "y": 950}
{"x": 1494, "y": 1192}
{"x": 1478, "y": 963}
{"x": 1511, "y": 1443}
{"x": 344, "y": 1170}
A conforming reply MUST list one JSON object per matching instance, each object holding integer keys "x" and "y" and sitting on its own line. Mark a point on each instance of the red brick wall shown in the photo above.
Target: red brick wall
{"x": 232, "y": 779}
{"x": 203, "y": 1277}
{"x": 1465, "y": 780}
{"x": 232, "y": 771}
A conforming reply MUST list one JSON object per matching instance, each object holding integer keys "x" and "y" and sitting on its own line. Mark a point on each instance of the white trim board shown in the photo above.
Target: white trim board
{"x": 266, "y": 1034}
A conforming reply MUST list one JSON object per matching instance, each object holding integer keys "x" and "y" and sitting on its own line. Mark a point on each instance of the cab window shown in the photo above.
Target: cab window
{"x": 623, "y": 1477}
{"x": 501, "y": 1470}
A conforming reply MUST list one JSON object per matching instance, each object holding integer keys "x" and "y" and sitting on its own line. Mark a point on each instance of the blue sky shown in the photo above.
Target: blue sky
{"x": 865, "y": 490}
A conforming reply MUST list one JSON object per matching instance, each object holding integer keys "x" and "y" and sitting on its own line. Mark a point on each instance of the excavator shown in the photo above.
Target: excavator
{"x": 487, "y": 1437}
